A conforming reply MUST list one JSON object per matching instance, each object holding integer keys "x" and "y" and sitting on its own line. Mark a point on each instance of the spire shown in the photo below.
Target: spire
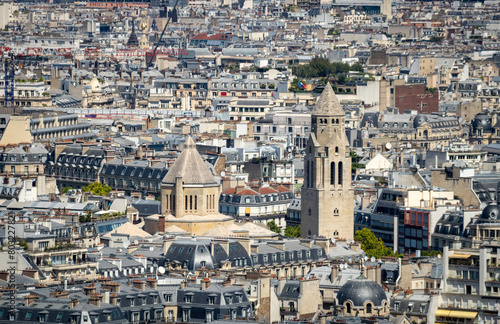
{"x": 132, "y": 40}
{"x": 328, "y": 104}
{"x": 191, "y": 167}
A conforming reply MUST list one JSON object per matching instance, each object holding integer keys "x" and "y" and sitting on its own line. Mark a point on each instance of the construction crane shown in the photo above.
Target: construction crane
{"x": 9, "y": 82}
{"x": 161, "y": 35}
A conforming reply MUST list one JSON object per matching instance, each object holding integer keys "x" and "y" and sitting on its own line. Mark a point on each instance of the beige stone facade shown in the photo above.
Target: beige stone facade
{"x": 189, "y": 196}
{"x": 327, "y": 194}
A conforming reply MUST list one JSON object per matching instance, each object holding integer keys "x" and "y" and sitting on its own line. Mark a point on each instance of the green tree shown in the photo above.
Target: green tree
{"x": 97, "y": 189}
{"x": 274, "y": 227}
{"x": 373, "y": 246}
{"x": 292, "y": 231}
{"x": 66, "y": 189}
{"x": 341, "y": 79}
{"x": 355, "y": 158}
{"x": 22, "y": 243}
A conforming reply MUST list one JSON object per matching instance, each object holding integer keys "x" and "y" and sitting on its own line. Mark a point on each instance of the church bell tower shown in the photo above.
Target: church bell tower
{"x": 327, "y": 194}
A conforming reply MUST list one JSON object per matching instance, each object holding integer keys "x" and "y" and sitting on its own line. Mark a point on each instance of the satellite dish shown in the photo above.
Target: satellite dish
{"x": 136, "y": 242}
{"x": 345, "y": 265}
{"x": 161, "y": 270}
{"x": 388, "y": 146}
{"x": 365, "y": 258}
{"x": 223, "y": 174}
{"x": 372, "y": 259}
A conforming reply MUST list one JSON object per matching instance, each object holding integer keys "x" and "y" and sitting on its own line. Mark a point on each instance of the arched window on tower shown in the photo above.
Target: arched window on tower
{"x": 307, "y": 174}
{"x": 369, "y": 308}
{"x": 312, "y": 173}
{"x": 332, "y": 173}
{"x": 340, "y": 173}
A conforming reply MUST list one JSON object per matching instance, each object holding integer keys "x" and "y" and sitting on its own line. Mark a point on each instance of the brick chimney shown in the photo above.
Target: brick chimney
{"x": 205, "y": 283}
{"x": 139, "y": 284}
{"x": 59, "y": 294}
{"x": 73, "y": 303}
{"x": 408, "y": 293}
{"x": 4, "y": 275}
{"x": 152, "y": 283}
{"x": 32, "y": 273}
{"x": 113, "y": 299}
{"x": 30, "y": 299}
{"x": 184, "y": 284}
{"x": 89, "y": 290}
{"x": 95, "y": 300}
{"x": 114, "y": 287}
{"x": 161, "y": 224}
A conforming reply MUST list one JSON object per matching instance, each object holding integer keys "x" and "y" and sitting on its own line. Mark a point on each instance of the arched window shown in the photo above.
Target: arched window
{"x": 369, "y": 308}
{"x": 195, "y": 202}
{"x": 190, "y": 202}
{"x": 332, "y": 173}
{"x": 336, "y": 149}
{"x": 348, "y": 308}
{"x": 340, "y": 173}
{"x": 311, "y": 172}
{"x": 336, "y": 121}
{"x": 307, "y": 174}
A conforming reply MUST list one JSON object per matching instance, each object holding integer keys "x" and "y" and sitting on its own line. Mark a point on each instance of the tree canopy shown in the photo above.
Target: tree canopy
{"x": 373, "y": 246}
{"x": 97, "y": 189}
{"x": 292, "y": 231}
{"x": 274, "y": 227}
{"x": 321, "y": 67}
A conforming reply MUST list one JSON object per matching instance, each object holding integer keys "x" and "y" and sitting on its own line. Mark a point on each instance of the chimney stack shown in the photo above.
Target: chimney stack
{"x": 152, "y": 283}
{"x": 95, "y": 300}
{"x": 90, "y": 289}
{"x": 139, "y": 284}
{"x": 73, "y": 303}
{"x": 161, "y": 224}
{"x": 30, "y": 299}
{"x": 113, "y": 299}
{"x": 114, "y": 287}
{"x": 205, "y": 283}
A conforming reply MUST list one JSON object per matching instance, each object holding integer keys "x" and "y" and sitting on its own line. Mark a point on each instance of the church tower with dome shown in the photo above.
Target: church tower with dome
{"x": 189, "y": 196}
{"x": 327, "y": 195}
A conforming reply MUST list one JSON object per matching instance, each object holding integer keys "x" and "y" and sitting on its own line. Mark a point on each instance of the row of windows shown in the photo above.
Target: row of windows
{"x": 310, "y": 171}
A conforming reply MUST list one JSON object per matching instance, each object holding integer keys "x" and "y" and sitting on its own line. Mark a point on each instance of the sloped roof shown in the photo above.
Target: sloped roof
{"x": 328, "y": 104}
{"x": 247, "y": 192}
{"x": 218, "y": 231}
{"x": 191, "y": 167}
{"x": 175, "y": 229}
{"x": 130, "y": 229}
{"x": 267, "y": 190}
{"x": 282, "y": 189}
{"x": 230, "y": 191}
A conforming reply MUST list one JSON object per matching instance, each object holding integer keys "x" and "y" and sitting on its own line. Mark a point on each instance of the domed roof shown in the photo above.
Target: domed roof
{"x": 361, "y": 290}
{"x": 482, "y": 120}
{"x": 491, "y": 212}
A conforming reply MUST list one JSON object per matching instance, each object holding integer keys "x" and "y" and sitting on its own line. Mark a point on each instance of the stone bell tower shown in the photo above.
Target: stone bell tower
{"x": 327, "y": 194}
